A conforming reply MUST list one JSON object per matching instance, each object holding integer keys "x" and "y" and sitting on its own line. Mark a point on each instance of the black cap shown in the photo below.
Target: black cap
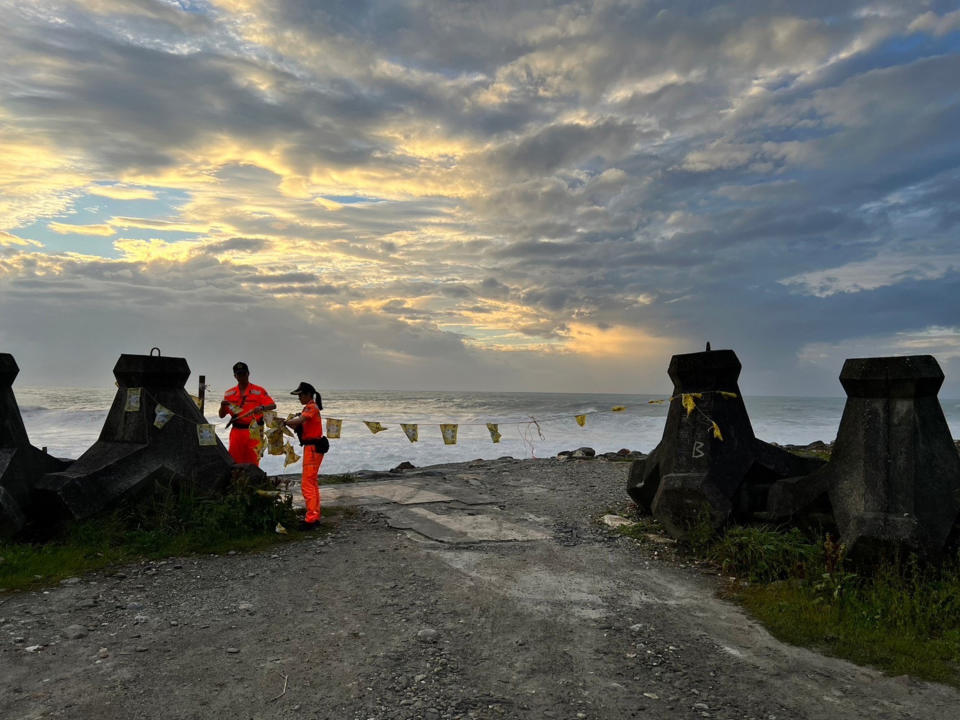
{"x": 240, "y": 367}
{"x": 304, "y": 387}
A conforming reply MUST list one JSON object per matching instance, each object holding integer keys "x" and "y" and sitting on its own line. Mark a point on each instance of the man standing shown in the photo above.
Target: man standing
{"x": 245, "y": 403}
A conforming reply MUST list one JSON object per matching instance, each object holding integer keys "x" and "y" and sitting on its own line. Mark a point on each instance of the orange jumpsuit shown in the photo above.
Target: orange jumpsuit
{"x": 312, "y": 429}
{"x": 243, "y": 448}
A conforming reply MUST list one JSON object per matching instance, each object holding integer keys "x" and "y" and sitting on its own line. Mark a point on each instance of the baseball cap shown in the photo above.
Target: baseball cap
{"x": 304, "y": 387}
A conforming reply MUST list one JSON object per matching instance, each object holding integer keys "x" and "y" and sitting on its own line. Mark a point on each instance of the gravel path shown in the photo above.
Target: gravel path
{"x": 372, "y": 621}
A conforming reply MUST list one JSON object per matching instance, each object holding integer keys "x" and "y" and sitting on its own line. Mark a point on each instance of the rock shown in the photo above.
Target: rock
{"x": 233, "y": 650}
{"x": 584, "y": 452}
{"x": 103, "y": 653}
{"x": 74, "y": 632}
{"x": 615, "y": 521}
{"x": 427, "y": 635}
{"x": 405, "y": 465}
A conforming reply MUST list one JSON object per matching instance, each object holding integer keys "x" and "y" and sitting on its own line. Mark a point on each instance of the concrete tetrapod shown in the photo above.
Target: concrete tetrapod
{"x": 893, "y": 479}
{"x": 709, "y": 466}
{"x": 133, "y": 455}
{"x": 21, "y": 464}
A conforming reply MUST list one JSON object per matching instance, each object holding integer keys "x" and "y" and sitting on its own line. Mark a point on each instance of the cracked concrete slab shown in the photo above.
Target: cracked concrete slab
{"x": 400, "y": 492}
{"x": 379, "y": 494}
{"x": 461, "y": 526}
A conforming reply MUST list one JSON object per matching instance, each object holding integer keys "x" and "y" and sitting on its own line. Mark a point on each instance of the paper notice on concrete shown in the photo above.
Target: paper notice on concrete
{"x": 206, "y": 435}
{"x": 133, "y": 400}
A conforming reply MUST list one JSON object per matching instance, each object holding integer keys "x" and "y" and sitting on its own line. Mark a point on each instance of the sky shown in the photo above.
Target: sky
{"x": 523, "y": 196}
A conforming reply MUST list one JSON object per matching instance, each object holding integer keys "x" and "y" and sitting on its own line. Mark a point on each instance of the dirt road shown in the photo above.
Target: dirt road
{"x": 482, "y": 590}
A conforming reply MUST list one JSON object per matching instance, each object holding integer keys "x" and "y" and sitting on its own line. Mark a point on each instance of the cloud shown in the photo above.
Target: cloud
{"x": 549, "y": 187}
{"x": 881, "y": 271}
{"x": 8, "y": 240}
{"x": 938, "y": 25}
{"x": 67, "y": 229}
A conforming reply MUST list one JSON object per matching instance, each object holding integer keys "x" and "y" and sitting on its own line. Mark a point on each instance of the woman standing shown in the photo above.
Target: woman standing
{"x": 309, "y": 428}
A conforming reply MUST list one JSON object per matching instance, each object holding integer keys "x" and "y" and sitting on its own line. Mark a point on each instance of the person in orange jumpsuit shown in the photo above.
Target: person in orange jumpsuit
{"x": 309, "y": 427}
{"x": 245, "y": 403}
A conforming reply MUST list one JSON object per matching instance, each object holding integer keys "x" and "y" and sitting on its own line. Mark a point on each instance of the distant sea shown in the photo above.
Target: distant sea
{"x": 68, "y": 420}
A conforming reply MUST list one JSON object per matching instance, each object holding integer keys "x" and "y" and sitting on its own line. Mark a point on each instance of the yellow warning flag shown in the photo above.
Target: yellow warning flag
{"x": 373, "y": 426}
{"x": 449, "y": 432}
{"x": 728, "y": 394}
{"x": 274, "y": 432}
{"x": 716, "y": 432}
{"x": 274, "y": 440}
{"x": 411, "y": 431}
{"x": 688, "y": 403}
{"x": 494, "y": 432}
{"x": 291, "y": 454}
{"x": 257, "y": 436}
{"x": 581, "y": 420}
{"x": 333, "y": 427}
{"x": 618, "y": 408}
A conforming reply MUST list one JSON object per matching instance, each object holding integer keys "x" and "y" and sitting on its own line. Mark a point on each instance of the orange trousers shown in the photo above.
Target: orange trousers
{"x": 243, "y": 448}
{"x": 308, "y": 482}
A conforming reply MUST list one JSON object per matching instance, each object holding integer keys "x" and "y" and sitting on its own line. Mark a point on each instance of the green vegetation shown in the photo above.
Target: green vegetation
{"x": 902, "y": 617}
{"x": 337, "y": 479}
{"x": 170, "y": 523}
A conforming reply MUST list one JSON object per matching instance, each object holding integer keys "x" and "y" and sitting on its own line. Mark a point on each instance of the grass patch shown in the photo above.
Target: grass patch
{"x": 171, "y": 523}
{"x": 902, "y": 617}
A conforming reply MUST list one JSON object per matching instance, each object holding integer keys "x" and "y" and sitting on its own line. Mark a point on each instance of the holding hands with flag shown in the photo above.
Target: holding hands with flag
{"x": 309, "y": 428}
{"x": 245, "y": 403}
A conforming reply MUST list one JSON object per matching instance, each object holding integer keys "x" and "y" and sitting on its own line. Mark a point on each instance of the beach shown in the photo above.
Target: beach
{"x": 485, "y": 589}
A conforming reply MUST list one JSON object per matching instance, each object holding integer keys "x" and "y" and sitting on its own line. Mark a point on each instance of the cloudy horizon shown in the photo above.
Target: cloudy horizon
{"x": 543, "y": 196}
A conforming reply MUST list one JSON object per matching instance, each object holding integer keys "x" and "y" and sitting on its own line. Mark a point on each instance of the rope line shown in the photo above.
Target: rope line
{"x": 525, "y": 427}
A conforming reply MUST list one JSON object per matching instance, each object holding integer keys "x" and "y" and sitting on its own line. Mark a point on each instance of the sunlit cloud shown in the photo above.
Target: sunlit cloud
{"x": 11, "y": 240}
{"x": 146, "y": 251}
{"x": 68, "y": 229}
{"x": 614, "y": 342}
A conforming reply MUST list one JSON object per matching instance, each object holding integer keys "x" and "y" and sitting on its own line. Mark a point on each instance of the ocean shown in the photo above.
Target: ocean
{"x": 68, "y": 420}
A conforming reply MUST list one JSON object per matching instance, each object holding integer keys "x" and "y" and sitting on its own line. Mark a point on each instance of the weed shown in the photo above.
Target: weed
{"x": 901, "y": 616}
{"x": 174, "y": 521}
{"x": 763, "y": 553}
